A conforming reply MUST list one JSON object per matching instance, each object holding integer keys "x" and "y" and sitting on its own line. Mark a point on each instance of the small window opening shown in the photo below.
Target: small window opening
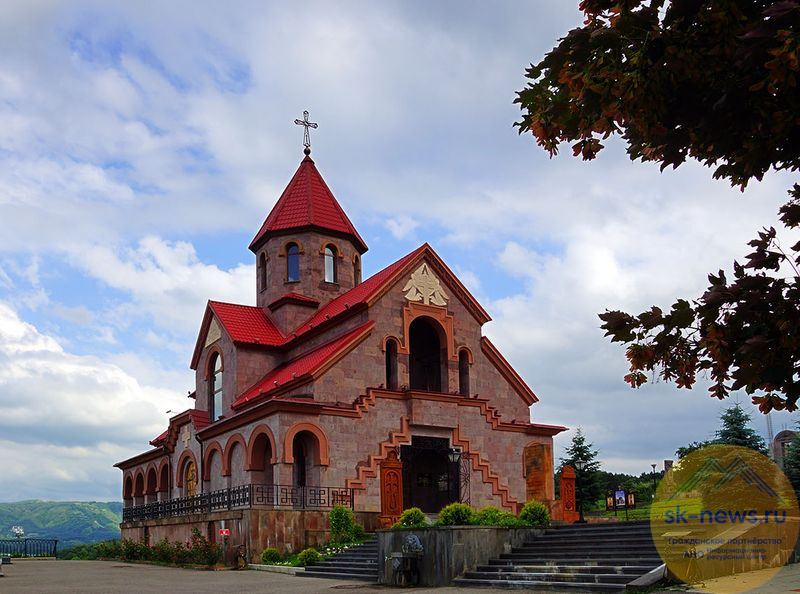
{"x": 292, "y": 263}
{"x": 330, "y": 264}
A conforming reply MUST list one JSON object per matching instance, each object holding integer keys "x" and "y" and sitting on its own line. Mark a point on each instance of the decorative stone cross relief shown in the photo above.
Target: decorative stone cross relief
{"x": 185, "y": 436}
{"x": 424, "y": 286}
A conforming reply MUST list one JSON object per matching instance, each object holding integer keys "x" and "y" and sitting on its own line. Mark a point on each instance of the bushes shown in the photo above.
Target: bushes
{"x": 309, "y": 557}
{"x": 342, "y": 524}
{"x": 269, "y": 556}
{"x": 198, "y": 551}
{"x": 456, "y": 514}
{"x": 413, "y": 517}
{"x": 494, "y": 516}
{"x": 535, "y": 514}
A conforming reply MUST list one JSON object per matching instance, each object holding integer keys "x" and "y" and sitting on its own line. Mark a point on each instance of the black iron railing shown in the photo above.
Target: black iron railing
{"x": 243, "y": 496}
{"x": 29, "y": 547}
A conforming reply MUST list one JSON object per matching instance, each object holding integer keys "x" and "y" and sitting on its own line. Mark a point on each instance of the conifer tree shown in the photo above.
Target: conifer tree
{"x": 736, "y": 430}
{"x": 587, "y": 484}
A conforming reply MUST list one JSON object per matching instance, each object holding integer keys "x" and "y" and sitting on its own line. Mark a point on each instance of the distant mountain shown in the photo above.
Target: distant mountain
{"x": 71, "y": 522}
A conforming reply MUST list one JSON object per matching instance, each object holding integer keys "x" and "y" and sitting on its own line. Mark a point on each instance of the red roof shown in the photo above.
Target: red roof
{"x": 199, "y": 419}
{"x": 359, "y": 294}
{"x": 304, "y": 366}
{"x": 307, "y": 202}
{"x": 247, "y": 323}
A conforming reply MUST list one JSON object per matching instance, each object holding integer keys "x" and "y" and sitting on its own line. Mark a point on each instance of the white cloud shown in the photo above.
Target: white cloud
{"x": 89, "y": 406}
{"x": 166, "y": 281}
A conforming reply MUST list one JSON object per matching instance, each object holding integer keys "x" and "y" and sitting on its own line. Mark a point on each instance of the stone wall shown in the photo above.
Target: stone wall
{"x": 449, "y": 551}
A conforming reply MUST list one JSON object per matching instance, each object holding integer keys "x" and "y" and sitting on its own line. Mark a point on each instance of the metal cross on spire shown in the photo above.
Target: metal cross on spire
{"x": 306, "y": 138}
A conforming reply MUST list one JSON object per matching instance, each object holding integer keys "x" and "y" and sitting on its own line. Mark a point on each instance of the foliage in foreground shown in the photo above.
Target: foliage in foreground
{"x": 196, "y": 551}
{"x": 343, "y": 526}
{"x": 413, "y": 517}
{"x": 712, "y": 81}
{"x": 309, "y": 556}
{"x": 533, "y": 514}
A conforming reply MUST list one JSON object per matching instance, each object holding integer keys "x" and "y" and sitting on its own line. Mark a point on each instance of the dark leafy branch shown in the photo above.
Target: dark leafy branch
{"x": 715, "y": 81}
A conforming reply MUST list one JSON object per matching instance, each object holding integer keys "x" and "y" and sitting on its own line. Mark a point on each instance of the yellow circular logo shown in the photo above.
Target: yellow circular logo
{"x": 723, "y": 511}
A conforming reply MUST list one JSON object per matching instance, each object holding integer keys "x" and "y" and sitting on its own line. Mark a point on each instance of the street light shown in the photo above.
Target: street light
{"x": 580, "y": 465}
{"x": 654, "y": 481}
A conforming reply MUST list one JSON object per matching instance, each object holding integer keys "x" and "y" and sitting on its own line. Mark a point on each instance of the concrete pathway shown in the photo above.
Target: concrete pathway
{"x": 110, "y": 577}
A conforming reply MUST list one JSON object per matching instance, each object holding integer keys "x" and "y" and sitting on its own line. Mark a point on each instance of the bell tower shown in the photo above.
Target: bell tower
{"x": 307, "y": 250}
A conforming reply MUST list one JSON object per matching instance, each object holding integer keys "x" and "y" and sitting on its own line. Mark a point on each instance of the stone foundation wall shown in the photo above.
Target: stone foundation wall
{"x": 289, "y": 531}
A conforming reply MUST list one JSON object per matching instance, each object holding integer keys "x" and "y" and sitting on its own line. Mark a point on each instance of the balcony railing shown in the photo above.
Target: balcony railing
{"x": 242, "y": 497}
{"x": 29, "y": 547}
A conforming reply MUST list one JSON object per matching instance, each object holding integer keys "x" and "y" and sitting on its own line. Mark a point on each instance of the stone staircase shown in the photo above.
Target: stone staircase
{"x": 359, "y": 562}
{"x": 577, "y": 558}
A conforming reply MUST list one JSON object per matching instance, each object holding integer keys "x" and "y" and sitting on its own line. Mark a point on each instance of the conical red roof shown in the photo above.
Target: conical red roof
{"x": 307, "y": 202}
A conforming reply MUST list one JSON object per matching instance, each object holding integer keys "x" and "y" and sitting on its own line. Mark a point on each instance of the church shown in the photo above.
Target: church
{"x": 379, "y": 394}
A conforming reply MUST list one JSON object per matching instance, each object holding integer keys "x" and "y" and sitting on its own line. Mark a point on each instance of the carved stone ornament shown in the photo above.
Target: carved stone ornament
{"x": 425, "y": 287}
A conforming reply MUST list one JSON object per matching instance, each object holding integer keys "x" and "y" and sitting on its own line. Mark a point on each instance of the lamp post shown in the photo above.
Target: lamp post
{"x": 654, "y": 481}
{"x": 580, "y": 465}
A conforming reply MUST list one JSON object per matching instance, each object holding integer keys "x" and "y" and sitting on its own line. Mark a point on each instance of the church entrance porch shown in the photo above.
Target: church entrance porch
{"x": 432, "y": 475}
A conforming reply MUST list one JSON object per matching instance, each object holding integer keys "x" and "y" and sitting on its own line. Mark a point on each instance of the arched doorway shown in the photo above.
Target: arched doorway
{"x": 427, "y": 360}
{"x": 305, "y": 452}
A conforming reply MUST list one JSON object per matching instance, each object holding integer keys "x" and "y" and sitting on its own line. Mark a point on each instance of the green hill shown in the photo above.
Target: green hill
{"x": 71, "y": 522}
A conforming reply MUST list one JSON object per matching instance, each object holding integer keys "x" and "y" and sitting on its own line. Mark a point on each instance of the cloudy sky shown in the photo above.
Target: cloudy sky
{"x": 142, "y": 144}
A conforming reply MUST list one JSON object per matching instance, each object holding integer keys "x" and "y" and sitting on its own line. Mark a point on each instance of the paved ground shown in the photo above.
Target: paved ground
{"x": 108, "y": 577}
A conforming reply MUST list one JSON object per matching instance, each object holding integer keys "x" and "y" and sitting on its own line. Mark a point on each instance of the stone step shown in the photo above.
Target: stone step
{"x": 539, "y": 586}
{"x": 366, "y": 577}
{"x": 318, "y": 567}
{"x": 600, "y": 578}
{"x": 574, "y": 559}
{"x": 366, "y": 565}
{"x": 615, "y": 536}
{"x": 635, "y": 570}
{"x": 621, "y": 544}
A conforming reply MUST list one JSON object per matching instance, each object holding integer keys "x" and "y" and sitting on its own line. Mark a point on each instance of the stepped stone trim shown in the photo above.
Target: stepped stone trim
{"x": 489, "y": 477}
{"x": 369, "y": 468}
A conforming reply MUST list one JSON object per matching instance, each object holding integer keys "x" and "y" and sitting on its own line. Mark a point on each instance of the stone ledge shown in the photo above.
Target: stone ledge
{"x": 287, "y": 569}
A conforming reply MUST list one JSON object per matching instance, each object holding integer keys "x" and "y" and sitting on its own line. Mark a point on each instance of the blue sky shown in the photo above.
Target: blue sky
{"x": 142, "y": 145}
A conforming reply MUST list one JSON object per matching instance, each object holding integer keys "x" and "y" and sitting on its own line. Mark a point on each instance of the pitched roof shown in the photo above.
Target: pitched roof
{"x": 199, "y": 419}
{"x": 361, "y": 293}
{"x": 305, "y": 367}
{"x": 245, "y": 324}
{"x": 307, "y": 202}
{"x": 366, "y": 292}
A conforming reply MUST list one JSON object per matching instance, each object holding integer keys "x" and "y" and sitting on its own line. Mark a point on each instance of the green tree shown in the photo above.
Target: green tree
{"x": 716, "y": 82}
{"x": 736, "y": 430}
{"x": 692, "y": 447}
{"x": 588, "y": 488}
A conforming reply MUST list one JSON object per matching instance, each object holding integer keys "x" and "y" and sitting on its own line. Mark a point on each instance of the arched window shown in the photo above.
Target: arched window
{"x": 356, "y": 270}
{"x": 330, "y": 264}
{"x": 427, "y": 358}
{"x": 262, "y": 273}
{"x": 215, "y": 388}
{"x": 391, "y": 364}
{"x": 292, "y": 263}
{"x": 463, "y": 372}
